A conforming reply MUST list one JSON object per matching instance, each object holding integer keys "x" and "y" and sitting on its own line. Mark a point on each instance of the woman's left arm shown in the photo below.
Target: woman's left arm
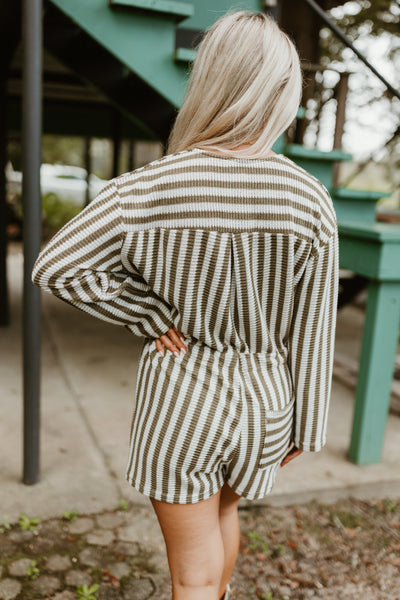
{"x": 82, "y": 265}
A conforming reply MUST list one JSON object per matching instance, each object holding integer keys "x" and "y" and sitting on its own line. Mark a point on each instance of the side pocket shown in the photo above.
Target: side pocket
{"x": 278, "y": 433}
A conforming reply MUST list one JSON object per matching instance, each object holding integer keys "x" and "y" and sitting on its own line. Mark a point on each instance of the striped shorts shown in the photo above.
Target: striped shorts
{"x": 207, "y": 417}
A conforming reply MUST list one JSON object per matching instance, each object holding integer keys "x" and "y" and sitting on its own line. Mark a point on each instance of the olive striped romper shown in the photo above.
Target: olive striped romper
{"x": 242, "y": 256}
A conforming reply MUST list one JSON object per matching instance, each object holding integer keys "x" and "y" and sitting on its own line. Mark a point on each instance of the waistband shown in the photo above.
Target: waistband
{"x": 270, "y": 358}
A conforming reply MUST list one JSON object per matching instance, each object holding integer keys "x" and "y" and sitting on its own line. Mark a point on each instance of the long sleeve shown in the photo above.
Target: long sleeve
{"x": 83, "y": 265}
{"x": 311, "y": 344}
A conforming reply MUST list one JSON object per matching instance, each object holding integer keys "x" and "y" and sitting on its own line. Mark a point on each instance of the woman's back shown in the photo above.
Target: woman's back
{"x": 225, "y": 242}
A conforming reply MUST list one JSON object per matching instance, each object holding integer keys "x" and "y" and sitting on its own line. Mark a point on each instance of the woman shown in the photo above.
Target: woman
{"x": 224, "y": 256}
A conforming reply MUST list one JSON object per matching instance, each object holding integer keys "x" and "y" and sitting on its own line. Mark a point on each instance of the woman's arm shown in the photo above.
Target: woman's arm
{"x": 311, "y": 344}
{"x": 82, "y": 265}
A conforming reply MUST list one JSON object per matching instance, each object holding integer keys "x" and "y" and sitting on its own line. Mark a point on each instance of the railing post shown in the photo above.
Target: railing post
{"x": 341, "y": 97}
{"x": 4, "y": 305}
{"x": 31, "y": 159}
{"x": 116, "y": 144}
{"x": 88, "y": 167}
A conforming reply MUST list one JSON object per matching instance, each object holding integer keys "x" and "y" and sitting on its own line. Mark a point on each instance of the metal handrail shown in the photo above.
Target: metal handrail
{"x": 322, "y": 14}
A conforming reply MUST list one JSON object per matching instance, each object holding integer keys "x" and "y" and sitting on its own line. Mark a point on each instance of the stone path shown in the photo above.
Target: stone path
{"x": 346, "y": 550}
{"x": 57, "y": 556}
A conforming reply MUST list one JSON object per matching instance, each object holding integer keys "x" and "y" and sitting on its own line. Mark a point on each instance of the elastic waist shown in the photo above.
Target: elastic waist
{"x": 273, "y": 358}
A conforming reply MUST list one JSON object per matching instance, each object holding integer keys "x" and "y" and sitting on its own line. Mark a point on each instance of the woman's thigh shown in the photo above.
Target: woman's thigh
{"x": 193, "y": 540}
{"x": 229, "y": 500}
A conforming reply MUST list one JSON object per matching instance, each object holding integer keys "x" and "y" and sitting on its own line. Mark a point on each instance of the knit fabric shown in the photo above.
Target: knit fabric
{"x": 235, "y": 252}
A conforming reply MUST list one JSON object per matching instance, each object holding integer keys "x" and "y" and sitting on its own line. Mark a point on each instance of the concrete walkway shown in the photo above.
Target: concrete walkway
{"x": 88, "y": 382}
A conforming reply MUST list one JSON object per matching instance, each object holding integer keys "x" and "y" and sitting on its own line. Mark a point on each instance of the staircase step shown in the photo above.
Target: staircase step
{"x": 141, "y": 40}
{"x": 362, "y": 195}
{"x": 317, "y": 162}
{"x": 299, "y": 151}
{"x": 185, "y": 55}
{"x": 356, "y": 205}
{"x": 176, "y": 10}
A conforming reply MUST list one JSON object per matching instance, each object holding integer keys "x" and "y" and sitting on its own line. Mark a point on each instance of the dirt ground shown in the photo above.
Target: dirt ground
{"x": 341, "y": 551}
{"x": 347, "y": 550}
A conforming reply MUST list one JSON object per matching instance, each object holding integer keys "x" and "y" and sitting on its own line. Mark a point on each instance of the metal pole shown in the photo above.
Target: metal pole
{"x": 88, "y": 167}
{"x": 31, "y": 159}
{"x": 4, "y": 305}
{"x": 321, "y": 13}
{"x": 116, "y": 144}
{"x": 131, "y": 159}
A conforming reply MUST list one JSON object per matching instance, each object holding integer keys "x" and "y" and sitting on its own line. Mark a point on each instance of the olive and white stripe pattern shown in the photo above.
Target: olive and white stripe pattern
{"x": 207, "y": 417}
{"x": 237, "y": 253}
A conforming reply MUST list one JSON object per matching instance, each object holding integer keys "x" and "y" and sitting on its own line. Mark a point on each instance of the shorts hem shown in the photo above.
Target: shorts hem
{"x": 248, "y": 496}
{"x": 156, "y": 495}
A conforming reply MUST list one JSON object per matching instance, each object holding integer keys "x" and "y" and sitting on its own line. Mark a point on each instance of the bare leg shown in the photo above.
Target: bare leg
{"x": 230, "y": 530}
{"x": 195, "y": 548}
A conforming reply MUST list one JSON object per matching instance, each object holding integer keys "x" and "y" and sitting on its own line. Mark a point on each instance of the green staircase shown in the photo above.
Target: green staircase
{"x": 136, "y": 54}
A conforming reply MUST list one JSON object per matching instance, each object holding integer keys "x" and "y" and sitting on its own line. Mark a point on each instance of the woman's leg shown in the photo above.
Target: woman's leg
{"x": 195, "y": 548}
{"x": 230, "y": 530}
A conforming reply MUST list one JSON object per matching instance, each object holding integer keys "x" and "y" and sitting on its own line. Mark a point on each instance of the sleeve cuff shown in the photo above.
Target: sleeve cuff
{"x": 310, "y": 446}
{"x": 147, "y": 330}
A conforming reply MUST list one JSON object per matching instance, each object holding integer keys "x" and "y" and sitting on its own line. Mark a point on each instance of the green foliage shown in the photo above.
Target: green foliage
{"x": 4, "y": 524}
{"x": 278, "y": 550}
{"x": 27, "y": 523}
{"x": 87, "y": 593}
{"x": 122, "y": 505}
{"x": 376, "y": 16}
{"x": 64, "y": 150}
{"x": 32, "y": 571}
{"x": 258, "y": 542}
{"x": 57, "y": 212}
{"x": 391, "y": 506}
{"x": 268, "y": 596}
{"x": 348, "y": 519}
{"x": 70, "y": 515}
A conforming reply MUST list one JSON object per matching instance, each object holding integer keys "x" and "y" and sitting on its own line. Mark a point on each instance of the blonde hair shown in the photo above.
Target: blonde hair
{"x": 244, "y": 88}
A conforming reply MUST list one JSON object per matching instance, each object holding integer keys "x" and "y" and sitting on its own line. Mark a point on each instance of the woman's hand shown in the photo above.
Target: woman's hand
{"x": 172, "y": 340}
{"x": 293, "y": 453}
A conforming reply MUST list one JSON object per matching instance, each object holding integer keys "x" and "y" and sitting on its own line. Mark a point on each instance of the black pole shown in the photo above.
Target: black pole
{"x": 31, "y": 159}
{"x": 321, "y": 13}
{"x": 4, "y": 305}
{"x": 88, "y": 167}
{"x": 116, "y": 144}
{"x": 131, "y": 157}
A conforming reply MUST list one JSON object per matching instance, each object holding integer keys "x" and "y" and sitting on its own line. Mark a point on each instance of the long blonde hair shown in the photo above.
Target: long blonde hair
{"x": 244, "y": 88}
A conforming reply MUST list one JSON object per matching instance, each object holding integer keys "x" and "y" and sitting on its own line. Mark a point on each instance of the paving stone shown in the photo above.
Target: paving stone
{"x": 108, "y": 593}
{"x": 162, "y": 582}
{"x": 7, "y": 547}
{"x": 58, "y": 562}
{"x": 77, "y": 577}
{"x": 81, "y": 525}
{"x": 90, "y": 557}
{"x": 9, "y": 589}
{"x": 128, "y": 533}
{"x": 102, "y": 537}
{"x": 127, "y": 548}
{"x": 138, "y": 589}
{"x": 110, "y": 520}
{"x": 65, "y": 595}
{"x": 18, "y": 567}
{"x": 46, "y": 584}
{"x": 20, "y": 536}
{"x": 53, "y": 527}
{"x": 119, "y": 569}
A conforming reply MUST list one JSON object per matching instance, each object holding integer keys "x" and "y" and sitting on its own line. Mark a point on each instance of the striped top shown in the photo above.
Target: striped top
{"x": 233, "y": 251}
